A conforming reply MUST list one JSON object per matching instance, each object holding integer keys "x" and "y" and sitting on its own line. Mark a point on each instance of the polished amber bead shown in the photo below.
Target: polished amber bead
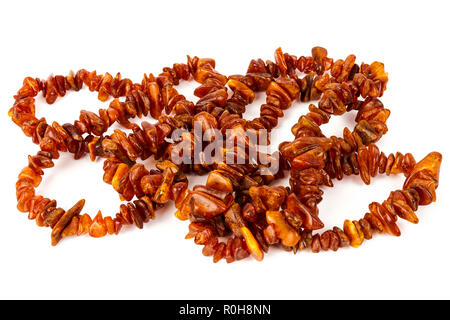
{"x": 309, "y": 220}
{"x": 56, "y": 235}
{"x": 424, "y": 177}
{"x": 109, "y": 223}
{"x": 206, "y": 205}
{"x": 84, "y": 225}
{"x": 289, "y": 237}
{"x": 122, "y": 170}
{"x": 243, "y": 90}
{"x": 388, "y": 221}
{"x": 220, "y": 251}
{"x": 399, "y": 203}
{"x": 162, "y": 194}
{"x": 117, "y": 225}
{"x": 343, "y": 239}
{"x": 252, "y": 245}
{"x": 315, "y": 244}
{"x": 218, "y": 181}
{"x": 98, "y": 226}
{"x": 208, "y": 249}
{"x": 356, "y": 239}
{"x": 71, "y": 228}
{"x": 27, "y": 172}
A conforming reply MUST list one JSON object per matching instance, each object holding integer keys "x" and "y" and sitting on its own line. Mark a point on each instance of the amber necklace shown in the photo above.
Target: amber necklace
{"x": 237, "y": 201}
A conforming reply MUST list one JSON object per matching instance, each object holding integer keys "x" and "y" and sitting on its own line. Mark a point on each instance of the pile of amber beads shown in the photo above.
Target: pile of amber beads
{"x": 240, "y": 211}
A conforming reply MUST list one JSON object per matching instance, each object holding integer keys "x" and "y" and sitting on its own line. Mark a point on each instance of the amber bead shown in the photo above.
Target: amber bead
{"x": 34, "y": 203}
{"x": 387, "y": 220}
{"x": 84, "y": 224}
{"x": 45, "y": 210}
{"x": 203, "y": 236}
{"x": 424, "y": 177}
{"x": 270, "y": 234}
{"x": 314, "y": 158}
{"x": 303, "y": 144}
{"x": 240, "y": 251}
{"x": 363, "y": 162}
{"x": 138, "y": 220}
{"x": 374, "y": 222}
{"x": 366, "y": 229}
{"x": 98, "y": 227}
{"x": 252, "y": 245}
{"x": 325, "y": 241}
{"x": 334, "y": 241}
{"x": 207, "y": 205}
{"x": 71, "y": 228}
{"x": 208, "y": 249}
{"x": 294, "y": 219}
{"x": 109, "y": 223}
{"x": 117, "y": 225}
{"x": 315, "y": 245}
{"x": 162, "y": 194}
{"x": 37, "y": 207}
{"x": 359, "y": 229}
{"x": 234, "y": 219}
{"x": 399, "y": 203}
{"x": 356, "y": 239}
{"x": 65, "y": 220}
{"x": 220, "y": 251}
{"x": 244, "y": 91}
{"x": 53, "y": 217}
{"x": 309, "y": 220}
{"x": 121, "y": 171}
{"x": 289, "y": 237}
{"x": 267, "y": 198}
{"x": 343, "y": 239}
{"x": 24, "y": 199}
{"x": 229, "y": 254}
{"x": 27, "y": 172}
{"x": 150, "y": 183}
{"x": 217, "y": 181}
{"x": 249, "y": 212}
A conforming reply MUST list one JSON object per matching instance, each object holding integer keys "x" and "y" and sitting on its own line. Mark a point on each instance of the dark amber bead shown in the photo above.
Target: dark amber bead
{"x": 65, "y": 220}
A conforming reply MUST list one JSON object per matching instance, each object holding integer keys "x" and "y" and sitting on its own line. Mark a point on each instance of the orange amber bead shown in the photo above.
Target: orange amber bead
{"x": 65, "y": 220}
{"x": 289, "y": 237}
{"x": 72, "y": 228}
{"x": 109, "y": 225}
{"x": 122, "y": 170}
{"x": 252, "y": 245}
{"x": 27, "y": 172}
{"x": 217, "y": 181}
{"x": 356, "y": 238}
{"x": 424, "y": 177}
{"x": 388, "y": 221}
{"x": 84, "y": 225}
{"x": 98, "y": 226}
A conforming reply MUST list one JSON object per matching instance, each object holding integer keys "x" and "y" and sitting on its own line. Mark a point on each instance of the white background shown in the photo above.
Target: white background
{"x": 133, "y": 37}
